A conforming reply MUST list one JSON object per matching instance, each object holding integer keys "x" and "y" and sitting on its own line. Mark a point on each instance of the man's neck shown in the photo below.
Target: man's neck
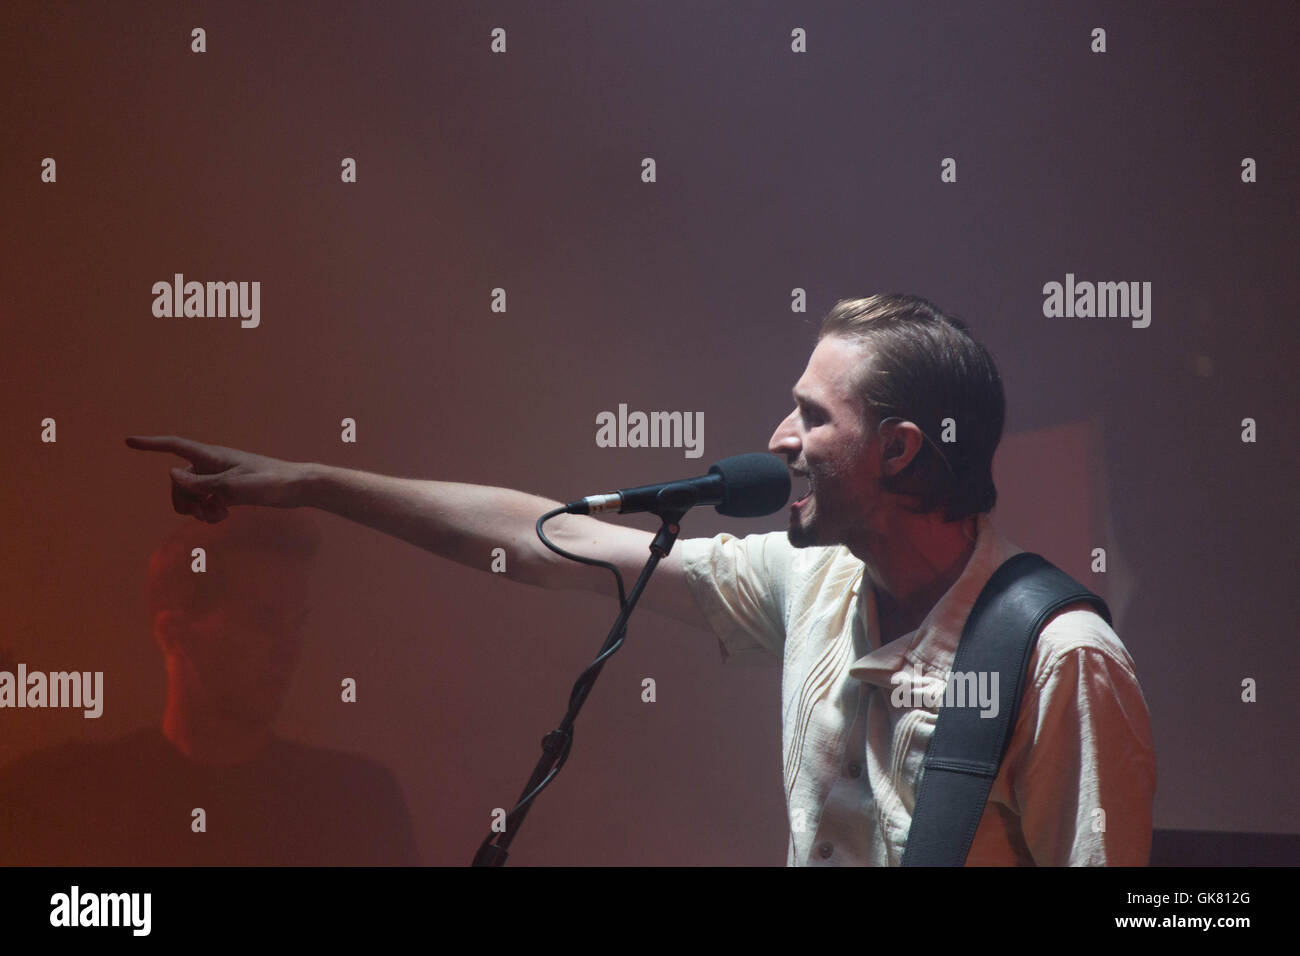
{"x": 212, "y": 739}
{"x": 911, "y": 563}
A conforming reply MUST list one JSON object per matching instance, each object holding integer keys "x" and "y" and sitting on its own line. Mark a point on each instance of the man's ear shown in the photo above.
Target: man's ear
{"x": 167, "y": 630}
{"x": 902, "y": 444}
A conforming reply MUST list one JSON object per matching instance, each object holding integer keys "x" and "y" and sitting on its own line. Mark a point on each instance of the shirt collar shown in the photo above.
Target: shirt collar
{"x": 933, "y": 645}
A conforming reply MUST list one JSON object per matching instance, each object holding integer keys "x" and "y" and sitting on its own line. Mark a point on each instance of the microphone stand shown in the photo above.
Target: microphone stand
{"x": 555, "y": 745}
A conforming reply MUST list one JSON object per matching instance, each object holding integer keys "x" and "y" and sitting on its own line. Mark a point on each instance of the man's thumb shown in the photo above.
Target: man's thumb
{"x": 192, "y": 482}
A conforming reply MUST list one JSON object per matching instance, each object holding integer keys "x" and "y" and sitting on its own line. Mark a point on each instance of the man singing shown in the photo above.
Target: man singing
{"x": 864, "y": 597}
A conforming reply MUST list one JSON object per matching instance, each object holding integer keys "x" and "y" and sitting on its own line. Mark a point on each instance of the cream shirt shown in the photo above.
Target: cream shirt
{"x": 1078, "y": 780}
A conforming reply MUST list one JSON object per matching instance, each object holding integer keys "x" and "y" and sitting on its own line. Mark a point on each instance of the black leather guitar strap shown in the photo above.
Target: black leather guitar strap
{"x": 966, "y": 749}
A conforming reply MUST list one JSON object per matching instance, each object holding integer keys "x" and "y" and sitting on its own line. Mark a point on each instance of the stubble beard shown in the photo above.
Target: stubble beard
{"x": 801, "y": 537}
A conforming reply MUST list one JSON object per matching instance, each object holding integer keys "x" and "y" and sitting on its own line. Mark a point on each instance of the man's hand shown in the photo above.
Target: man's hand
{"x": 217, "y": 477}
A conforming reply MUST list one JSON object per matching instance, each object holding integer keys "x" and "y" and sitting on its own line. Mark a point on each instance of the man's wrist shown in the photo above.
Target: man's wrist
{"x": 308, "y": 484}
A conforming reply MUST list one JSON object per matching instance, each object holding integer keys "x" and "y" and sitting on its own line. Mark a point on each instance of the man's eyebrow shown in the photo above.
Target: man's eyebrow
{"x": 805, "y": 399}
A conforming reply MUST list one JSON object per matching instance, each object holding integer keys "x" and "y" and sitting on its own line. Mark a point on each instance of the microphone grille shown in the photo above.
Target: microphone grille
{"x": 752, "y": 485}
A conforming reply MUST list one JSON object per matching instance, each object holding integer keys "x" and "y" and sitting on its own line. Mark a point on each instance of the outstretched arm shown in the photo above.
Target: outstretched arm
{"x": 461, "y": 522}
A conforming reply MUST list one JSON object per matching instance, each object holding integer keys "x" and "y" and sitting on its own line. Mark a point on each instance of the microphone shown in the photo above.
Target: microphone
{"x": 742, "y": 486}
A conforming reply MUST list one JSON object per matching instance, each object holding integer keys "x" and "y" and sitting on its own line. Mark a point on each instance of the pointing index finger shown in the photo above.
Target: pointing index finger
{"x": 172, "y": 443}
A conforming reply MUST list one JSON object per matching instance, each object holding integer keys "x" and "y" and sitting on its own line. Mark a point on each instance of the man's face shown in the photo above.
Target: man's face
{"x": 244, "y": 650}
{"x": 826, "y": 441}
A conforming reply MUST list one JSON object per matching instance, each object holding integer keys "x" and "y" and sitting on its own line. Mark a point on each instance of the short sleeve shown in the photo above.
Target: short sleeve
{"x": 1083, "y": 762}
{"x": 740, "y": 585}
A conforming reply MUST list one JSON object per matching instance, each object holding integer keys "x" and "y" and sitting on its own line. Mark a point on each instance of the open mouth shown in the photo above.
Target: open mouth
{"x": 807, "y": 493}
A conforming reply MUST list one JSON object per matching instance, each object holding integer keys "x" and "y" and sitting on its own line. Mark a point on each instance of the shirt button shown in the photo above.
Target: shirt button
{"x": 826, "y": 850}
{"x": 855, "y": 770}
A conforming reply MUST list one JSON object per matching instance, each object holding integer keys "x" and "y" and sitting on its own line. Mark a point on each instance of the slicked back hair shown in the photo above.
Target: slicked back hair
{"x": 235, "y": 545}
{"x": 924, "y": 366}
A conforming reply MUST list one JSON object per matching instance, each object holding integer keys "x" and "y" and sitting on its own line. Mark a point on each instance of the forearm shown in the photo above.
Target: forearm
{"x": 461, "y": 522}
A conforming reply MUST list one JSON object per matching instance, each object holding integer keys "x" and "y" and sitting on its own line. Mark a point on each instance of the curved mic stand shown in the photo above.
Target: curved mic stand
{"x": 555, "y": 745}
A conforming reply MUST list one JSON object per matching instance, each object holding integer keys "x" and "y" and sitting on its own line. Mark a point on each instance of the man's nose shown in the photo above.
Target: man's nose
{"x": 785, "y": 440}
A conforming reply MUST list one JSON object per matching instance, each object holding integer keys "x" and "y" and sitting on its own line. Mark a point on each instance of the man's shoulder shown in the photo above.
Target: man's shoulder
{"x": 1078, "y": 629}
{"x": 1075, "y": 629}
{"x": 354, "y": 790}
{"x": 315, "y": 762}
{"x": 78, "y": 754}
